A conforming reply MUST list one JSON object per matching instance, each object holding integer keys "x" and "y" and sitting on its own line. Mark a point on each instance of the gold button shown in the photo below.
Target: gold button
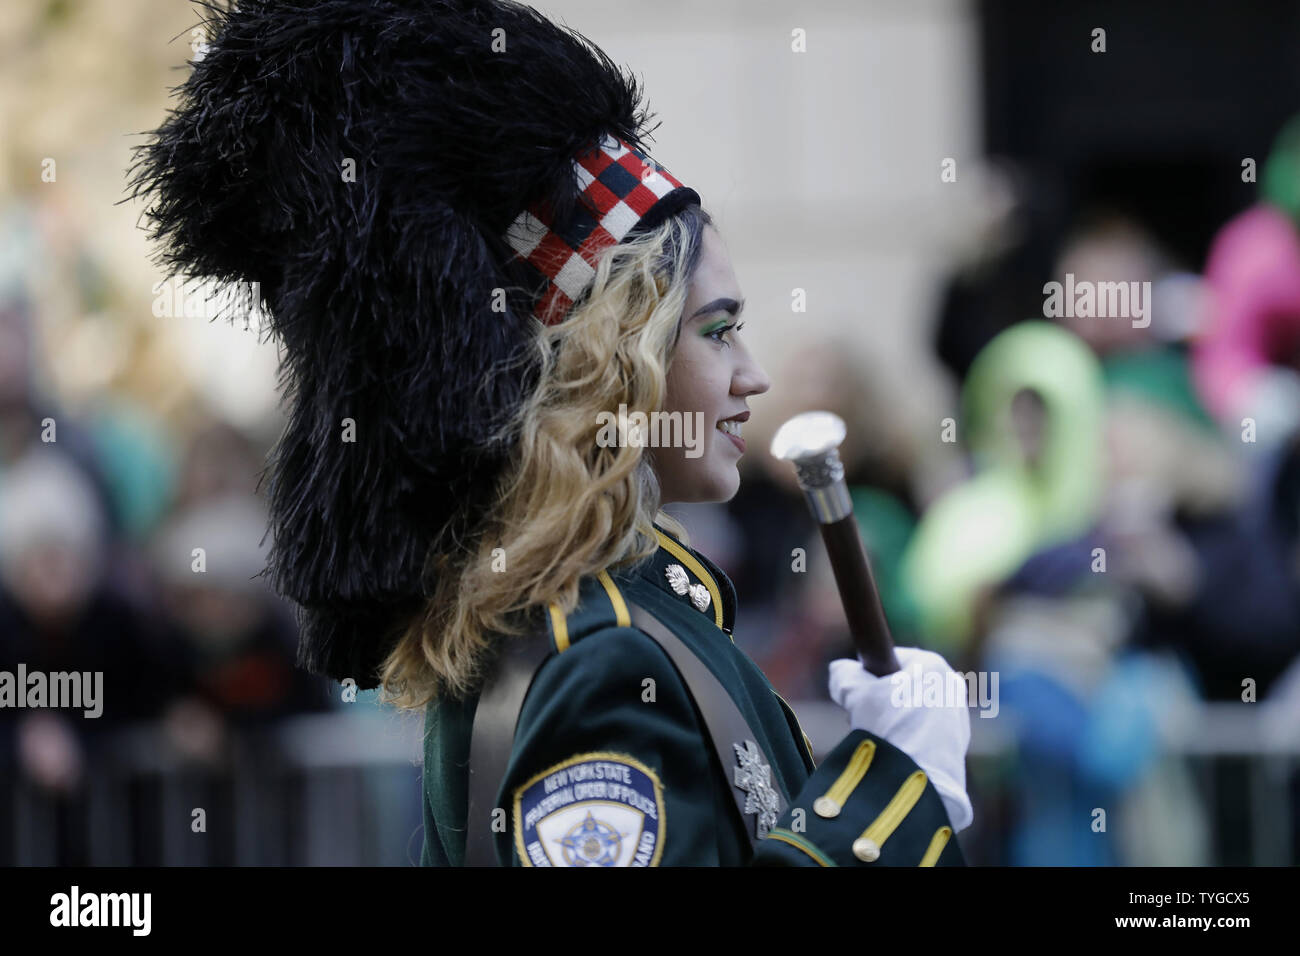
{"x": 866, "y": 850}
{"x": 826, "y": 807}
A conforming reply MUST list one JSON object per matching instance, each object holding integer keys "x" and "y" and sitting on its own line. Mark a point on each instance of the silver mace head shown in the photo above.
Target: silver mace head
{"x": 811, "y": 442}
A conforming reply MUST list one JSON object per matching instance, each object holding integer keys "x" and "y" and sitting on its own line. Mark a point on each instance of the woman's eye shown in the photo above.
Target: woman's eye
{"x": 716, "y": 333}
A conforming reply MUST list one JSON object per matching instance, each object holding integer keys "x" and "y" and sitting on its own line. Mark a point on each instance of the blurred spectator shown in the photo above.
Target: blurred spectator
{"x": 28, "y": 417}
{"x": 1243, "y": 620}
{"x": 60, "y": 612}
{"x": 1034, "y": 423}
{"x": 1248, "y": 360}
{"x": 60, "y": 609}
{"x": 1111, "y": 247}
{"x": 236, "y": 639}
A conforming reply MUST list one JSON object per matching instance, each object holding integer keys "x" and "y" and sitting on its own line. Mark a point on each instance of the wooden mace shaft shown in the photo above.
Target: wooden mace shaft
{"x": 859, "y": 595}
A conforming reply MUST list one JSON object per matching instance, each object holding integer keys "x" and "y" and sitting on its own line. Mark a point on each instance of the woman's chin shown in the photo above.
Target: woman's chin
{"x": 723, "y": 487}
{"x": 717, "y": 485}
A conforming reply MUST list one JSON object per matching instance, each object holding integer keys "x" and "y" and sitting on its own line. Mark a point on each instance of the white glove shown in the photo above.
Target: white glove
{"x": 892, "y": 708}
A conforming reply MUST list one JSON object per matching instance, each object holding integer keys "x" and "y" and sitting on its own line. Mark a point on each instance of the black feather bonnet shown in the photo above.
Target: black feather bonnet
{"x": 360, "y": 161}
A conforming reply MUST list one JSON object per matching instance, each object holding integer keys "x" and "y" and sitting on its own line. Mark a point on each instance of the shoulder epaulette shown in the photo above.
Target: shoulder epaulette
{"x": 600, "y": 605}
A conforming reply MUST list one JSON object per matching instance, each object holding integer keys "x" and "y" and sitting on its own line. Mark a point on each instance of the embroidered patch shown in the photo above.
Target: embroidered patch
{"x": 594, "y": 809}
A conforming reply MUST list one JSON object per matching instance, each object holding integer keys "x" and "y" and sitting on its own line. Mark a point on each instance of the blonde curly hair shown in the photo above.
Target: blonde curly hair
{"x": 565, "y": 507}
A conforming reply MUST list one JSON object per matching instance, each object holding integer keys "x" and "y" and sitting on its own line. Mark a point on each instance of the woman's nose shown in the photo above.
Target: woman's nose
{"x": 751, "y": 379}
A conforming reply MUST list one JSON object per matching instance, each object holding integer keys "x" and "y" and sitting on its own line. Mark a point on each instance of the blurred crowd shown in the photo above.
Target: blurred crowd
{"x": 130, "y": 550}
{"x": 1108, "y": 519}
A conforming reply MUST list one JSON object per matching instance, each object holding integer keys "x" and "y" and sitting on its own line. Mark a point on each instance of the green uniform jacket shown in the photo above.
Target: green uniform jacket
{"x": 612, "y": 764}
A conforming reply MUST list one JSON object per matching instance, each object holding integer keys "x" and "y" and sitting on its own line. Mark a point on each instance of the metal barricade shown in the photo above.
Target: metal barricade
{"x": 344, "y": 789}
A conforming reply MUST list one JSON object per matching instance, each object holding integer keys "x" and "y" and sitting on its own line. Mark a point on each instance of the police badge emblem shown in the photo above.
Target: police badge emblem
{"x": 594, "y": 809}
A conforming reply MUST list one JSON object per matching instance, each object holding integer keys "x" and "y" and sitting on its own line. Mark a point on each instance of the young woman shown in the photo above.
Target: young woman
{"x": 577, "y": 532}
{"x": 505, "y": 272}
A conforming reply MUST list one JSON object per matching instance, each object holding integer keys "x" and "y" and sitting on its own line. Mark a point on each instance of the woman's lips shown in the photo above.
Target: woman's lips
{"x": 735, "y": 440}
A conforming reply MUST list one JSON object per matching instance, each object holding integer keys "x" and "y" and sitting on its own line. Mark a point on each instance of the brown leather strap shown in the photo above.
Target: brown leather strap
{"x": 726, "y": 726}
{"x": 493, "y": 738}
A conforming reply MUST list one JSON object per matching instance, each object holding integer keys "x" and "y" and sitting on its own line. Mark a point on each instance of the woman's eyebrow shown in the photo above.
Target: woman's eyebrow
{"x": 724, "y": 304}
